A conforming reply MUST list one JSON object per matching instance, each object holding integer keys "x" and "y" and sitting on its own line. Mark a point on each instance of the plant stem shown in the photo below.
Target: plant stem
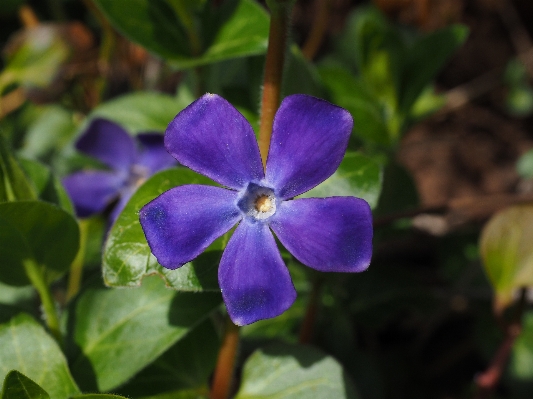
{"x": 223, "y": 377}
{"x": 489, "y": 379}
{"x": 275, "y": 58}
{"x": 36, "y": 275}
{"x": 76, "y": 268}
{"x": 306, "y": 330}
{"x": 318, "y": 29}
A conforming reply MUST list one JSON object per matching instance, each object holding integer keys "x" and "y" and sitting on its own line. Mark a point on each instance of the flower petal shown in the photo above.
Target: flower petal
{"x": 212, "y": 138}
{"x": 153, "y": 154}
{"x": 109, "y": 143}
{"x": 255, "y": 282}
{"x": 309, "y": 139}
{"x": 183, "y": 221}
{"x": 92, "y": 191}
{"x": 328, "y": 234}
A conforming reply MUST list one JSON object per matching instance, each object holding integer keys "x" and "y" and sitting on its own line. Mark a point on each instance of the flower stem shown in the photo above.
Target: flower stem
{"x": 306, "y": 330}
{"x": 36, "y": 275}
{"x": 76, "y": 268}
{"x": 318, "y": 29}
{"x": 223, "y": 377}
{"x": 275, "y": 58}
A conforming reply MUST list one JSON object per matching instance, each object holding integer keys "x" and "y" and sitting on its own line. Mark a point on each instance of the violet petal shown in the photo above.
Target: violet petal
{"x": 255, "y": 282}
{"x": 109, "y": 143}
{"x": 92, "y": 191}
{"x": 309, "y": 139}
{"x": 212, "y": 138}
{"x": 328, "y": 234}
{"x": 183, "y": 221}
{"x": 153, "y": 154}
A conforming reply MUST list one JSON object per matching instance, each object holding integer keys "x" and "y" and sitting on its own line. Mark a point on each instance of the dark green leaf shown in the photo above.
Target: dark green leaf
{"x": 507, "y": 252}
{"x": 425, "y": 59}
{"x": 127, "y": 257}
{"x": 119, "y": 332}
{"x": 357, "y": 176}
{"x": 26, "y": 347}
{"x": 243, "y": 30}
{"x": 38, "y": 231}
{"x": 141, "y": 111}
{"x": 14, "y": 300}
{"x": 348, "y": 92}
{"x": 300, "y": 75}
{"x": 291, "y": 372}
{"x": 18, "y": 386}
{"x": 186, "y": 365}
{"x": 14, "y": 184}
{"x": 48, "y": 187}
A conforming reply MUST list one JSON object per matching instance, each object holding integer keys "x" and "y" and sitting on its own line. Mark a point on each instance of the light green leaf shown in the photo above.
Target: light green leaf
{"x": 14, "y": 184}
{"x": 293, "y": 372}
{"x": 141, "y": 111}
{"x": 119, "y": 332}
{"x": 238, "y": 28}
{"x": 48, "y": 186}
{"x": 26, "y": 347}
{"x": 186, "y": 365}
{"x": 18, "y": 386}
{"x": 507, "y": 252}
{"x": 357, "y": 176}
{"x": 522, "y": 356}
{"x": 38, "y": 231}
{"x": 524, "y": 166}
{"x": 127, "y": 256}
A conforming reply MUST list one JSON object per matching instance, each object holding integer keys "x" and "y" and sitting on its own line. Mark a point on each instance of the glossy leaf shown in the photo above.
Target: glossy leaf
{"x": 507, "y": 252}
{"x": 293, "y": 372}
{"x": 14, "y": 184}
{"x": 186, "y": 365}
{"x": 38, "y": 231}
{"x": 141, "y": 111}
{"x": 18, "y": 386}
{"x": 239, "y": 28}
{"x": 27, "y": 348}
{"x": 127, "y": 256}
{"x": 357, "y": 176}
{"x": 48, "y": 186}
{"x": 119, "y": 332}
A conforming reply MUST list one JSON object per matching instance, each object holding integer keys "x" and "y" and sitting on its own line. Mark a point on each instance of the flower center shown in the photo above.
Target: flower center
{"x": 263, "y": 203}
{"x": 257, "y": 201}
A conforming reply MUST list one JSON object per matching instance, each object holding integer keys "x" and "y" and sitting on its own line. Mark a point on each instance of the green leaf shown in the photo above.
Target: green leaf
{"x": 167, "y": 373}
{"x": 36, "y": 62}
{"x": 18, "y": 386}
{"x": 98, "y": 396}
{"x": 14, "y": 300}
{"x": 284, "y": 371}
{"x": 141, "y": 111}
{"x": 238, "y": 28}
{"x": 26, "y": 347}
{"x": 127, "y": 256}
{"x": 349, "y": 92}
{"x": 522, "y": 355}
{"x": 357, "y": 176}
{"x": 48, "y": 186}
{"x": 507, "y": 252}
{"x": 49, "y": 133}
{"x": 425, "y": 59}
{"x": 14, "y": 184}
{"x": 301, "y": 76}
{"x": 119, "y": 332}
{"x": 524, "y": 166}
{"x": 38, "y": 231}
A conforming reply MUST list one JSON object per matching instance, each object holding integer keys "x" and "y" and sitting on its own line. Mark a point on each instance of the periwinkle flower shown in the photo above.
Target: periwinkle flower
{"x": 309, "y": 139}
{"x": 130, "y": 162}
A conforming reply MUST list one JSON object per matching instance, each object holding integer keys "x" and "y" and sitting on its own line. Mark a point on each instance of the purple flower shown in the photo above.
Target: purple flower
{"x": 309, "y": 139}
{"x": 130, "y": 162}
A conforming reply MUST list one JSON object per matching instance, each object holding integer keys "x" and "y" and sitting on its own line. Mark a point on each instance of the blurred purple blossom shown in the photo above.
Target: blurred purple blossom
{"x": 309, "y": 140}
{"x": 130, "y": 161}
